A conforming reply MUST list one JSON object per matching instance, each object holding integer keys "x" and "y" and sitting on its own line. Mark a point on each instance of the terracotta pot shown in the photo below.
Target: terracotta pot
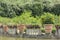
{"x": 21, "y": 27}
{"x": 5, "y": 27}
{"x": 48, "y": 28}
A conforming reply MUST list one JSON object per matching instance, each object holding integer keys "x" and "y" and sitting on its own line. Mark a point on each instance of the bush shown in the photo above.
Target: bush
{"x": 47, "y": 18}
{"x": 26, "y": 18}
{"x": 53, "y": 31}
{"x": 47, "y": 6}
{"x": 43, "y": 30}
{"x": 9, "y": 10}
{"x": 56, "y": 9}
{"x": 36, "y": 8}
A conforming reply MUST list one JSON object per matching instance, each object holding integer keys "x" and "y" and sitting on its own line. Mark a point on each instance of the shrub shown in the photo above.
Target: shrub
{"x": 36, "y": 8}
{"x": 10, "y": 10}
{"x": 26, "y": 18}
{"x": 53, "y": 30}
{"x": 47, "y": 18}
{"x": 43, "y": 30}
{"x": 47, "y": 6}
{"x": 56, "y": 9}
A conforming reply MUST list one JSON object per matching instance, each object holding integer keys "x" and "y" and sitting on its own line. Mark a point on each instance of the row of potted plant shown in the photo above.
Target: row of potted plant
{"x": 47, "y": 20}
{"x": 5, "y": 28}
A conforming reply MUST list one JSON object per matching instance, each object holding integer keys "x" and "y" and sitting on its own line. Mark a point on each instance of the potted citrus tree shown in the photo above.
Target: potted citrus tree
{"x": 47, "y": 21}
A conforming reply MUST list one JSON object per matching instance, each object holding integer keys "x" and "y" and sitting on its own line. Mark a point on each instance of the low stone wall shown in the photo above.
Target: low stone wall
{"x": 12, "y": 31}
{"x": 33, "y": 31}
{"x": 1, "y": 30}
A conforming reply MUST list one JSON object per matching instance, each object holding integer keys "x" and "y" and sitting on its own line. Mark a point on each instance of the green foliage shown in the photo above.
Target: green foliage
{"x": 36, "y": 8}
{"x": 51, "y": 6}
{"x": 9, "y": 10}
{"x": 26, "y": 18}
{"x": 56, "y": 9}
{"x": 47, "y": 6}
{"x": 47, "y": 18}
{"x": 53, "y": 30}
{"x": 43, "y": 30}
{"x": 57, "y": 18}
{"x": 6, "y": 10}
{"x": 4, "y": 20}
{"x": 15, "y": 9}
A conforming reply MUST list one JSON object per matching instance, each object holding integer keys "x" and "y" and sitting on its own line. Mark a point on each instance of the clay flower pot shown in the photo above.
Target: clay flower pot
{"x": 48, "y": 28}
{"x": 5, "y": 28}
{"x": 20, "y": 28}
